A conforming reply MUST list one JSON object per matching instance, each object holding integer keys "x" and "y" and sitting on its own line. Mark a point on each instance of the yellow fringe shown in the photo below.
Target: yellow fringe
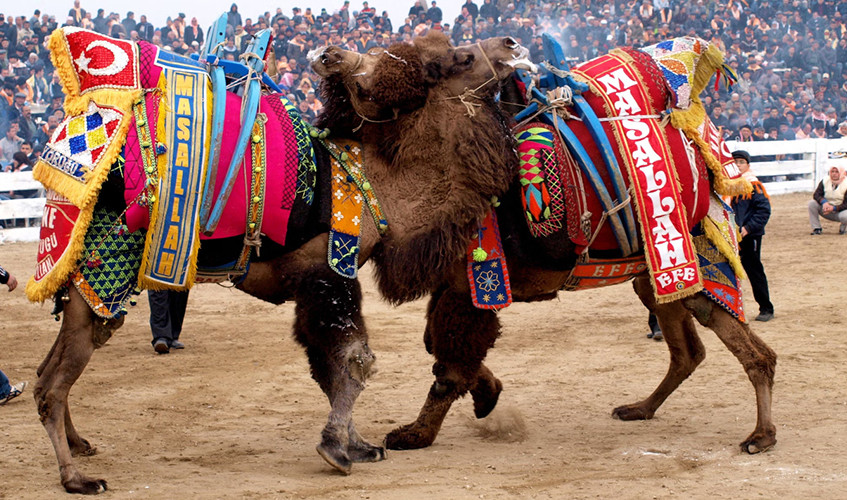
{"x": 717, "y": 238}
{"x": 62, "y": 270}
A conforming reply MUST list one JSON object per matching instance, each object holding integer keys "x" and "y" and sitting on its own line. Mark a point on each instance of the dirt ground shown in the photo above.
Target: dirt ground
{"x": 236, "y": 415}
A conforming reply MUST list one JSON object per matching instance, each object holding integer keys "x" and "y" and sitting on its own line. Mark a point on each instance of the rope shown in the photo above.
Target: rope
{"x": 470, "y": 107}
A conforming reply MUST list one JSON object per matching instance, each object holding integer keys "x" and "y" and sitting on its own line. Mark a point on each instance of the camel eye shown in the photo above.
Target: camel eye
{"x": 510, "y": 43}
{"x": 469, "y": 59}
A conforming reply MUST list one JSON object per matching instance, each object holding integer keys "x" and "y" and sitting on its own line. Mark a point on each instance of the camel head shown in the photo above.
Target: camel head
{"x": 376, "y": 86}
{"x": 382, "y": 84}
{"x": 478, "y": 67}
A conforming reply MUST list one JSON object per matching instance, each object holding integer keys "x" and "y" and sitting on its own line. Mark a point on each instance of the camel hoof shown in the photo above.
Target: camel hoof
{"x": 84, "y": 486}
{"x": 485, "y": 398}
{"x": 366, "y": 453}
{"x": 406, "y": 438}
{"x": 336, "y": 458}
{"x": 632, "y": 412}
{"x": 760, "y": 444}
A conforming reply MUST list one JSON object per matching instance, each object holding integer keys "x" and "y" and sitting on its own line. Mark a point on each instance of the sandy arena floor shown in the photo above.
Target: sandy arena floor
{"x": 236, "y": 415}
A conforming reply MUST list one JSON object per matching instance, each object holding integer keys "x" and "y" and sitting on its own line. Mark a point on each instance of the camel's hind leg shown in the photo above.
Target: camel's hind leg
{"x": 685, "y": 348}
{"x": 329, "y": 325}
{"x": 81, "y": 333}
{"x": 459, "y": 336}
{"x": 758, "y": 360}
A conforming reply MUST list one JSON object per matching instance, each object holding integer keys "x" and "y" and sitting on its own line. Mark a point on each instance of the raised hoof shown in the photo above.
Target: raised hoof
{"x": 485, "y": 398}
{"x": 366, "y": 453}
{"x": 632, "y": 412}
{"x": 407, "y": 438}
{"x": 83, "y": 449}
{"x": 85, "y": 486}
{"x": 336, "y": 458}
{"x": 758, "y": 444}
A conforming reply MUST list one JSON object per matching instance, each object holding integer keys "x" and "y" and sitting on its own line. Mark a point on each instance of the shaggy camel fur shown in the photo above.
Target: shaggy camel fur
{"x": 401, "y": 166}
{"x": 459, "y": 335}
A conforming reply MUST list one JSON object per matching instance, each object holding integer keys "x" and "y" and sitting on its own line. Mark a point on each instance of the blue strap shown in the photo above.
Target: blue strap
{"x": 249, "y": 107}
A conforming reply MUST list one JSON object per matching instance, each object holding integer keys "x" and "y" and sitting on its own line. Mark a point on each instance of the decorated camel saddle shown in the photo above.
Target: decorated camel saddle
{"x": 618, "y": 155}
{"x": 156, "y": 125}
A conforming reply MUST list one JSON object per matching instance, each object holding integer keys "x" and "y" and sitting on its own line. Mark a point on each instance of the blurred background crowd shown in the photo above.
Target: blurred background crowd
{"x": 790, "y": 56}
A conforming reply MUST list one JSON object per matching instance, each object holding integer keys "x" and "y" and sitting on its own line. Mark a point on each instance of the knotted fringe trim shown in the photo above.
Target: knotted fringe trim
{"x": 717, "y": 238}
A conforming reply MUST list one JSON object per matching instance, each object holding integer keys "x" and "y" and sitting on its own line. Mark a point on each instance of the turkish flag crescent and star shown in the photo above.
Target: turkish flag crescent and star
{"x": 101, "y": 62}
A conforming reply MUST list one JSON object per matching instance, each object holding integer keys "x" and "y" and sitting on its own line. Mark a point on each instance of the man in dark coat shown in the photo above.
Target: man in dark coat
{"x": 752, "y": 212}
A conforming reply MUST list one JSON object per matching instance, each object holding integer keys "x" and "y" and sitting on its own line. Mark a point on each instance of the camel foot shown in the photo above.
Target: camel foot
{"x": 365, "y": 452}
{"x": 759, "y": 442}
{"x": 82, "y": 449}
{"x": 632, "y": 412}
{"x": 335, "y": 457}
{"x": 408, "y": 437}
{"x": 77, "y": 483}
{"x": 485, "y": 397}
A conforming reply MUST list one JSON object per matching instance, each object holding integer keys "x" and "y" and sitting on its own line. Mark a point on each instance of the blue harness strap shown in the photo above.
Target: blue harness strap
{"x": 255, "y": 59}
{"x": 624, "y": 228}
{"x": 210, "y": 52}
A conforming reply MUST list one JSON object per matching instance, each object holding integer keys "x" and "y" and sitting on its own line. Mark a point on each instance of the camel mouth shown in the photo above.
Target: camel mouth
{"x": 520, "y": 60}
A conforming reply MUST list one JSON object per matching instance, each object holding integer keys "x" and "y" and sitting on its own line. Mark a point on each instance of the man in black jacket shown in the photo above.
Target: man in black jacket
{"x": 752, "y": 212}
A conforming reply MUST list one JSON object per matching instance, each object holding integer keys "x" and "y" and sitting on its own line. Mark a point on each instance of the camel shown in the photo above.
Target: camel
{"x": 430, "y": 140}
{"x": 459, "y": 335}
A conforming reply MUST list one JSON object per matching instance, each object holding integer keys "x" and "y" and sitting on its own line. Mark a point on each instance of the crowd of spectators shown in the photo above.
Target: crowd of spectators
{"x": 790, "y": 56}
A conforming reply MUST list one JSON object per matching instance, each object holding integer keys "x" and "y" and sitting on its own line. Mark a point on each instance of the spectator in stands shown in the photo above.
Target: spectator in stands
{"x": 146, "y": 30}
{"x": 233, "y": 19}
{"x": 76, "y": 14}
{"x": 10, "y": 144}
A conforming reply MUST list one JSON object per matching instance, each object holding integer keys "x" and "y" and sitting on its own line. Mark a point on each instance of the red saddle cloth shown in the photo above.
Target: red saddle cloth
{"x": 690, "y": 168}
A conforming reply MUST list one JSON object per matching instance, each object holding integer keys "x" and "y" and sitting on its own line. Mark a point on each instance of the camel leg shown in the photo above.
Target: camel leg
{"x": 758, "y": 360}
{"x": 459, "y": 336}
{"x": 81, "y": 333}
{"x": 686, "y": 351}
{"x": 329, "y": 325}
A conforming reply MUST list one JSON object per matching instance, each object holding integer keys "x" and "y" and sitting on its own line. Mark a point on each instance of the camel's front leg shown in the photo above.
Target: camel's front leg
{"x": 685, "y": 347}
{"x": 330, "y": 325}
{"x": 81, "y": 333}
{"x": 758, "y": 360}
{"x": 459, "y": 336}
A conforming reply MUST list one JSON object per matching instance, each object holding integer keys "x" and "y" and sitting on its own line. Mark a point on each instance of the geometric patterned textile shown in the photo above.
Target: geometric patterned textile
{"x": 307, "y": 172}
{"x": 108, "y": 270}
{"x": 77, "y": 145}
{"x": 720, "y": 284}
{"x": 678, "y": 60}
{"x": 487, "y": 272}
{"x": 541, "y": 188}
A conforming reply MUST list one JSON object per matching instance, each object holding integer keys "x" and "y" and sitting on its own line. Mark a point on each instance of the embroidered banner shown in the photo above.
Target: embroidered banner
{"x": 63, "y": 228}
{"x": 173, "y": 237}
{"x": 101, "y": 62}
{"x": 668, "y": 246}
{"x": 487, "y": 272}
{"x": 347, "y": 208}
{"x": 78, "y": 150}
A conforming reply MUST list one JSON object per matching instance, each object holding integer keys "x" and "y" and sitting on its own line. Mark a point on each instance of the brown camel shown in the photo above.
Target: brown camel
{"x": 416, "y": 170}
{"x": 459, "y": 335}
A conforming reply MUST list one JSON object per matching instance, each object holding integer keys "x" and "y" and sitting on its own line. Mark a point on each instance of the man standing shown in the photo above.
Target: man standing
{"x": 829, "y": 201}
{"x": 752, "y": 212}
{"x": 167, "y": 312}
